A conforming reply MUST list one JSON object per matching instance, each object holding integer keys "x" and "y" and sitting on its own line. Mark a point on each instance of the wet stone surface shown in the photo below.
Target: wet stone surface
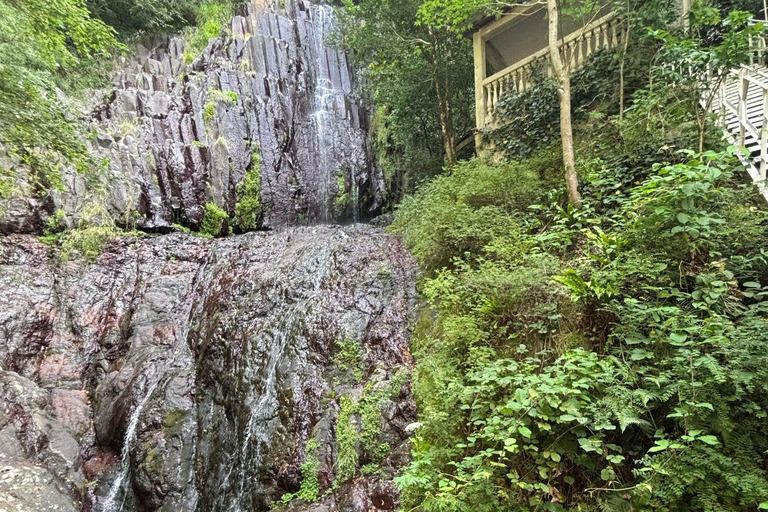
{"x": 178, "y": 134}
{"x": 184, "y": 374}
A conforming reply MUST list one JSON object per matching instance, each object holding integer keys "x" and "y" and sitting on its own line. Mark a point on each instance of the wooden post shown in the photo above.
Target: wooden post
{"x": 764, "y": 136}
{"x": 743, "y": 92}
{"x": 480, "y": 96}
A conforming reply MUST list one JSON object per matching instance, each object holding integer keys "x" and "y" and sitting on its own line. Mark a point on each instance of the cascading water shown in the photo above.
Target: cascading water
{"x": 111, "y": 503}
{"x": 324, "y": 100}
{"x": 116, "y": 497}
{"x": 211, "y": 363}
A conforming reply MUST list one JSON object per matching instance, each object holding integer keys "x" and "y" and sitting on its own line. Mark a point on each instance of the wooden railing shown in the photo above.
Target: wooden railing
{"x": 741, "y": 104}
{"x": 751, "y": 124}
{"x": 575, "y": 48}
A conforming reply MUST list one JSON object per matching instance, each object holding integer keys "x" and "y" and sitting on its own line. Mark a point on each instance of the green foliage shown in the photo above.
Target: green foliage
{"x": 43, "y": 43}
{"x": 209, "y": 111}
{"x": 530, "y": 120}
{"x": 465, "y": 209}
{"x": 358, "y": 429}
{"x": 210, "y": 17}
{"x": 94, "y": 230}
{"x": 248, "y": 207}
{"x": 341, "y": 202}
{"x": 227, "y": 97}
{"x": 56, "y": 223}
{"x": 150, "y": 16}
{"x": 346, "y": 441}
{"x": 310, "y": 486}
{"x": 415, "y": 73}
{"x": 579, "y": 352}
{"x": 680, "y": 94}
{"x": 214, "y": 221}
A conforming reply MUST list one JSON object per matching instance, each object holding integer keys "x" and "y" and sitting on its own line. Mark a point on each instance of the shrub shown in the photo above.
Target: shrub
{"x": 210, "y": 19}
{"x": 592, "y": 350}
{"x": 465, "y": 209}
{"x": 93, "y": 231}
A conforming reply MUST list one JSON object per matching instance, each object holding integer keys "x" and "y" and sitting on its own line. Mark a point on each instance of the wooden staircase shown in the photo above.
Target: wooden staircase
{"x": 742, "y": 108}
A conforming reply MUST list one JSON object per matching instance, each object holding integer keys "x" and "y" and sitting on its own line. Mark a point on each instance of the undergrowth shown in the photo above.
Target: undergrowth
{"x": 601, "y": 358}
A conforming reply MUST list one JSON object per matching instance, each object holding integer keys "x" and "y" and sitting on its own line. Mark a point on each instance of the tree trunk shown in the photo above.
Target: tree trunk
{"x": 621, "y": 72}
{"x": 442, "y": 90}
{"x": 562, "y": 73}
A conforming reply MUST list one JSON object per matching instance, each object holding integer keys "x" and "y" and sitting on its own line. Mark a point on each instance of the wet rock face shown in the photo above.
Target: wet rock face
{"x": 269, "y": 97}
{"x": 182, "y": 374}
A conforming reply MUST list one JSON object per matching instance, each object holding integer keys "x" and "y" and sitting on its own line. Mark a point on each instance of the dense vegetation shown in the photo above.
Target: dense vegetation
{"x": 608, "y": 357}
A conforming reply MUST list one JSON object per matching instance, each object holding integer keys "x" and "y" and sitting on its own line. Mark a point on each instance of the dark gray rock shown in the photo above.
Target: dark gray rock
{"x": 178, "y": 374}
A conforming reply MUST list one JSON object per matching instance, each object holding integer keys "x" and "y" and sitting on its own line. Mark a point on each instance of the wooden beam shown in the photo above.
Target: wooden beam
{"x": 479, "y": 52}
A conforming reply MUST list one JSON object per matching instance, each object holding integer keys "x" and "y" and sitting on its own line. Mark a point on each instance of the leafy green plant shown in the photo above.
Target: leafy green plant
{"x": 341, "y": 202}
{"x": 94, "y": 230}
{"x": 310, "y": 486}
{"x": 210, "y": 20}
{"x": 346, "y": 440}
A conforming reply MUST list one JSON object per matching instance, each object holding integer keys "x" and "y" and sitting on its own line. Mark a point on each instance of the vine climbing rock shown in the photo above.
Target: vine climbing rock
{"x": 189, "y": 374}
{"x": 178, "y": 131}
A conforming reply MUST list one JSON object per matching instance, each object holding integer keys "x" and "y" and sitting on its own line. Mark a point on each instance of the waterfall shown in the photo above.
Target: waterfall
{"x": 279, "y": 331}
{"x": 163, "y": 373}
{"x": 324, "y": 104}
{"x": 110, "y": 504}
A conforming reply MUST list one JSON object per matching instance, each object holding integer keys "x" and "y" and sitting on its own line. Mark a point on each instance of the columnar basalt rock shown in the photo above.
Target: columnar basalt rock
{"x": 183, "y": 374}
{"x": 178, "y": 135}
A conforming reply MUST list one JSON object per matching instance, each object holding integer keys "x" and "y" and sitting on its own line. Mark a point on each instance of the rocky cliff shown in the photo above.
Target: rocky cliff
{"x": 176, "y": 373}
{"x": 182, "y": 374}
{"x": 269, "y": 97}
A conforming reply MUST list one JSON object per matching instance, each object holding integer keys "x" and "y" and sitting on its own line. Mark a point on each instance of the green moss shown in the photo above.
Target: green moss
{"x": 348, "y": 358}
{"x": 183, "y": 229}
{"x": 248, "y": 207}
{"x": 197, "y": 143}
{"x": 152, "y": 463}
{"x": 341, "y": 203}
{"x": 173, "y": 417}
{"x": 213, "y": 221}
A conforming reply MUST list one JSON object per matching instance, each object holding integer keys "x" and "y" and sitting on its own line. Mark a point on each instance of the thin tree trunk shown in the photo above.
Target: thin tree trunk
{"x": 444, "y": 103}
{"x": 446, "y": 124}
{"x": 564, "y": 92}
{"x": 621, "y": 73}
